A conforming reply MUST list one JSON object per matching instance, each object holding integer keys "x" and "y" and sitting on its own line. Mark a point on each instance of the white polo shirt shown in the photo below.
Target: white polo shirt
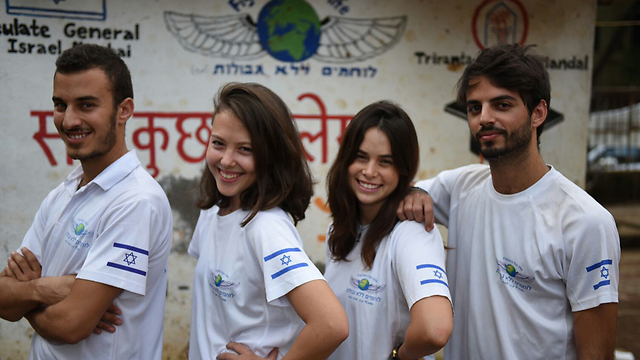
{"x": 409, "y": 266}
{"x": 519, "y": 265}
{"x": 115, "y": 230}
{"x": 240, "y": 282}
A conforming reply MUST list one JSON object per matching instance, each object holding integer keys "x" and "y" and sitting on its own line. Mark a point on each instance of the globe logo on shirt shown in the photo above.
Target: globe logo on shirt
{"x": 364, "y": 284}
{"x": 78, "y": 229}
{"x": 217, "y": 280}
{"x": 511, "y": 270}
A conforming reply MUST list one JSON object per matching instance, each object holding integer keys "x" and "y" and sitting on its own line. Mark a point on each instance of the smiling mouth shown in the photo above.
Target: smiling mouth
{"x": 76, "y": 136}
{"x": 226, "y": 175}
{"x": 368, "y": 186}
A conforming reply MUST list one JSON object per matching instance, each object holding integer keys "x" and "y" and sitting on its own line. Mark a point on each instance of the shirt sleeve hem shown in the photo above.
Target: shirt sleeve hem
{"x": 112, "y": 281}
{"x": 284, "y": 288}
{"x": 594, "y": 302}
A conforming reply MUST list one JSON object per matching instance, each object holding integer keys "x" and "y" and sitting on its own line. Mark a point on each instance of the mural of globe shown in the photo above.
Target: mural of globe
{"x": 289, "y": 30}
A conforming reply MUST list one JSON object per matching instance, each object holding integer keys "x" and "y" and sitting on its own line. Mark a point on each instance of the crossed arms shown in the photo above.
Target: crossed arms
{"x": 58, "y": 308}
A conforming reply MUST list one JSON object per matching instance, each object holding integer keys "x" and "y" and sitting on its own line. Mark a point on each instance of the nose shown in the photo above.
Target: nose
{"x": 70, "y": 118}
{"x": 371, "y": 170}
{"x": 228, "y": 159}
{"x": 486, "y": 116}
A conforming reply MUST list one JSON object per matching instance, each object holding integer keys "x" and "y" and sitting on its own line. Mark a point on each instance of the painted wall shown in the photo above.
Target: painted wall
{"x": 331, "y": 60}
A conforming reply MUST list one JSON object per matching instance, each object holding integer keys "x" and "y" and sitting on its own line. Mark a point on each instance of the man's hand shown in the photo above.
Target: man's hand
{"x": 245, "y": 353}
{"x": 109, "y": 319}
{"x": 417, "y": 206}
{"x": 23, "y": 268}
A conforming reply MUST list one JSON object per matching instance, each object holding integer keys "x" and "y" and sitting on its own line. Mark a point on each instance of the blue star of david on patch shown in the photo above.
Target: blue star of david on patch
{"x": 437, "y": 274}
{"x": 130, "y": 258}
{"x": 604, "y": 272}
{"x": 285, "y": 260}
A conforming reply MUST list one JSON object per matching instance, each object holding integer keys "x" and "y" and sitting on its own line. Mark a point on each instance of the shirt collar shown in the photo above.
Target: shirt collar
{"x": 110, "y": 176}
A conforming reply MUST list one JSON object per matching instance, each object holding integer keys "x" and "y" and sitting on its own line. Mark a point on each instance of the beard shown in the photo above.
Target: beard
{"x": 516, "y": 143}
{"x": 105, "y": 144}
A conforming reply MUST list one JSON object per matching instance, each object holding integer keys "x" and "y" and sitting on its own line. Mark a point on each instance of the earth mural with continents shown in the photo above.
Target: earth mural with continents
{"x": 289, "y": 30}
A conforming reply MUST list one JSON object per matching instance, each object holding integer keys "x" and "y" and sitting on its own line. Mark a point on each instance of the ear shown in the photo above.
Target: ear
{"x": 125, "y": 110}
{"x": 539, "y": 114}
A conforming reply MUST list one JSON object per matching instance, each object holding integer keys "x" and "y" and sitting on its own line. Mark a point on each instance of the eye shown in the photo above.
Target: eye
{"x": 473, "y": 109}
{"x": 386, "y": 162}
{"x": 246, "y": 149}
{"x": 58, "y": 106}
{"x": 216, "y": 143}
{"x": 504, "y": 105}
{"x": 87, "y": 105}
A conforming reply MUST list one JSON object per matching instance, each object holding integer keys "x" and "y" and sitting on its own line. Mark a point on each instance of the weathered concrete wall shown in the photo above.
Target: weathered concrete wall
{"x": 408, "y": 51}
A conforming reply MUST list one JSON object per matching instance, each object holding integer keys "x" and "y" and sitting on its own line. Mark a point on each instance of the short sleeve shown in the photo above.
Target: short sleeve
{"x": 278, "y": 248}
{"x": 439, "y": 188}
{"x": 120, "y": 254}
{"x": 418, "y": 260}
{"x": 592, "y": 263}
{"x": 33, "y": 239}
{"x": 199, "y": 232}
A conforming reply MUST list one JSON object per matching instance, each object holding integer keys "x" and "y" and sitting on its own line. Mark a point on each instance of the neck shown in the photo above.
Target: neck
{"x": 513, "y": 175}
{"x": 92, "y": 167}
{"x": 368, "y": 213}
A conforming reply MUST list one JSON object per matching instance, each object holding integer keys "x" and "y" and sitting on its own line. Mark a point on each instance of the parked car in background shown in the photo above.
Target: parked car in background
{"x": 613, "y": 158}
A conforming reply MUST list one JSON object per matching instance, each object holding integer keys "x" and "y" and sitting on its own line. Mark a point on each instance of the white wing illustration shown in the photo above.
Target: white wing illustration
{"x": 229, "y": 36}
{"x": 346, "y": 40}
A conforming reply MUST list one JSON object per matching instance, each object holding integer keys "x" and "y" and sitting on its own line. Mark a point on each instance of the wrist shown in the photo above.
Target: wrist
{"x": 415, "y": 188}
{"x": 395, "y": 353}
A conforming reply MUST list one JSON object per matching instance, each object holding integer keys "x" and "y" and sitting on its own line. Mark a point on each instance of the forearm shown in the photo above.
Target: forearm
{"x": 56, "y": 324}
{"x": 17, "y": 298}
{"x": 309, "y": 346}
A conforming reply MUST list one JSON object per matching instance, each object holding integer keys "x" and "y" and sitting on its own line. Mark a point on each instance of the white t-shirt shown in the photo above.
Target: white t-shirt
{"x": 240, "y": 282}
{"x": 409, "y": 266}
{"x": 520, "y": 264}
{"x": 116, "y": 230}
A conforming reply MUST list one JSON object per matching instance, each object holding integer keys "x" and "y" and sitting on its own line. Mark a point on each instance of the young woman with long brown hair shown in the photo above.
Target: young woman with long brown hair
{"x": 256, "y": 293}
{"x": 387, "y": 274}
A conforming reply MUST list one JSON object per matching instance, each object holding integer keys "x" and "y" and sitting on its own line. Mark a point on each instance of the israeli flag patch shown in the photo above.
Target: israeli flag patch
{"x": 129, "y": 258}
{"x": 432, "y": 274}
{"x": 284, "y": 261}
{"x": 601, "y": 270}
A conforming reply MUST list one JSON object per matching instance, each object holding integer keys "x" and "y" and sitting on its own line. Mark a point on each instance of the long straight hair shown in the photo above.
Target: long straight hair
{"x": 283, "y": 177}
{"x": 390, "y": 119}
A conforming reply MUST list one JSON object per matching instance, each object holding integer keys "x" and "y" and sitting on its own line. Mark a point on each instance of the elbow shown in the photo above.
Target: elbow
{"x": 437, "y": 336}
{"x": 338, "y": 329}
{"x": 10, "y": 317}
{"x": 73, "y": 336}
{"x": 73, "y": 331}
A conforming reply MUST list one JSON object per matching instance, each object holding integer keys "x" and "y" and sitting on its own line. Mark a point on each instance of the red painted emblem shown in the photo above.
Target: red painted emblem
{"x": 497, "y": 22}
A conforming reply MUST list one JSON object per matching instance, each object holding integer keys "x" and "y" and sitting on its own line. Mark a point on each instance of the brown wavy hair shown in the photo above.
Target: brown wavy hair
{"x": 405, "y": 151}
{"x": 283, "y": 178}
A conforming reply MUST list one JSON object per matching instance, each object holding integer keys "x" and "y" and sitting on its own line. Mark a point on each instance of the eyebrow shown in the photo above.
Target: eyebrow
{"x": 495, "y": 99}
{"x": 243, "y": 143}
{"x": 382, "y": 156}
{"x": 79, "y": 99}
